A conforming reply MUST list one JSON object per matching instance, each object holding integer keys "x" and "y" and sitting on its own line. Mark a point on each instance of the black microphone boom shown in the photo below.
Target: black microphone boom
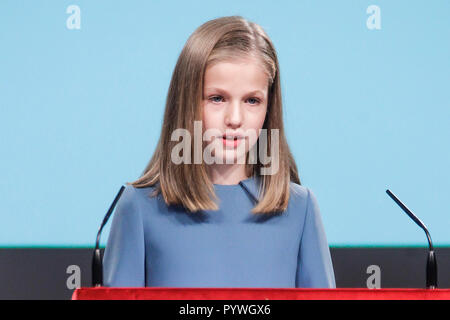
{"x": 431, "y": 261}
{"x": 97, "y": 262}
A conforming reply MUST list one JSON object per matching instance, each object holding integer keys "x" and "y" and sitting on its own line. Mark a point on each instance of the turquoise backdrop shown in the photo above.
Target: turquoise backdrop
{"x": 365, "y": 108}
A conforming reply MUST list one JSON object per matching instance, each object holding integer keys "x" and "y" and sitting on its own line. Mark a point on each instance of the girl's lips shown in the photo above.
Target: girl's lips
{"x": 231, "y": 142}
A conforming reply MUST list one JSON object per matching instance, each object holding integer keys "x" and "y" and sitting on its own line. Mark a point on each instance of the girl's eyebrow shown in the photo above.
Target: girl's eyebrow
{"x": 224, "y": 91}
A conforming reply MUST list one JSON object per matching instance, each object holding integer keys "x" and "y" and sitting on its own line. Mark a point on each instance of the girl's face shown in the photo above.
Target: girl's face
{"x": 235, "y": 98}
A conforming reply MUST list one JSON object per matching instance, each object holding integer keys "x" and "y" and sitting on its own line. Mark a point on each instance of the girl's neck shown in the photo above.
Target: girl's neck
{"x": 226, "y": 174}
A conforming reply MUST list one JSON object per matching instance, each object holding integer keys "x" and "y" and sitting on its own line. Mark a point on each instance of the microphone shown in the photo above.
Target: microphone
{"x": 431, "y": 261}
{"x": 97, "y": 261}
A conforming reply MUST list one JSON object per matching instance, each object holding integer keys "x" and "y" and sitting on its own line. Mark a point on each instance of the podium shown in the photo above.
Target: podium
{"x": 160, "y": 293}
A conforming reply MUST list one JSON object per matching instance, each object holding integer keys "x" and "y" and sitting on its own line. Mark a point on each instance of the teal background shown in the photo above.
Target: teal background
{"x": 365, "y": 110}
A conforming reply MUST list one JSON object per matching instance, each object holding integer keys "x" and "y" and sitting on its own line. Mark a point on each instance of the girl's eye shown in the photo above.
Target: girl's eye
{"x": 254, "y": 99}
{"x": 215, "y": 97}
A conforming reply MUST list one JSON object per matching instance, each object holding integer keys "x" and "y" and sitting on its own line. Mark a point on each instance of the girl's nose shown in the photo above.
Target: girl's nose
{"x": 234, "y": 116}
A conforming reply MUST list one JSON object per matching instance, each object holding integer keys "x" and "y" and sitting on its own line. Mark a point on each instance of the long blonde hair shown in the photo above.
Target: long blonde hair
{"x": 189, "y": 184}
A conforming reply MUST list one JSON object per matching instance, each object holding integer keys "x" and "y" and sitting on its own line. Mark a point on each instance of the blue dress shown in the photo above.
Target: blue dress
{"x": 155, "y": 245}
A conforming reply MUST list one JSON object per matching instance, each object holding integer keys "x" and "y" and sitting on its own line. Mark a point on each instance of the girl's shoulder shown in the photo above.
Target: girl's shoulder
{"x": 298, "y": 191}
{"x": 135, "y": 195}
{"x": 300, "y": 196}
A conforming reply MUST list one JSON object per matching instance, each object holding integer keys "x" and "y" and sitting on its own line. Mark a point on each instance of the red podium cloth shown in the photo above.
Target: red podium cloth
{"x": 105, "y": 293}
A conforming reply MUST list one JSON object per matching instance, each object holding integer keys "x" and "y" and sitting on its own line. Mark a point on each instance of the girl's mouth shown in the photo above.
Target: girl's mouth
{"x": 231, "y": 141}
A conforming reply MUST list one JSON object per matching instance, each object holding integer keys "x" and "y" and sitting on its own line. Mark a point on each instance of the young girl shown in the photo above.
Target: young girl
{"x": 227, "y": 210}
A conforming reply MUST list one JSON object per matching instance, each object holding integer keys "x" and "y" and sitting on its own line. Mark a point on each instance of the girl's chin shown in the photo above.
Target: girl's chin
{"x": 226, "y": 155}
{"x": 231, "y": 159}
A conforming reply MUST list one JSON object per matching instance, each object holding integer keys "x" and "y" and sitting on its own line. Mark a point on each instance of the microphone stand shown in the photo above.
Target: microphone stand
{"x": 97, "y": 261}
{"x": 431, "y": 260}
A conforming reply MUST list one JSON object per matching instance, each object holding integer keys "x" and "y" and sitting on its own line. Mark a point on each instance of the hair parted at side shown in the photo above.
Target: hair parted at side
{"x": 188, "y": 184}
